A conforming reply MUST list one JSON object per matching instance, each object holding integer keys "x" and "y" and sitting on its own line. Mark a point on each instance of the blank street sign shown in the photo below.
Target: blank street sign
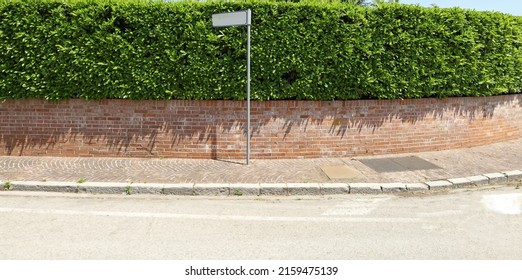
{"x": 231, "y": 19}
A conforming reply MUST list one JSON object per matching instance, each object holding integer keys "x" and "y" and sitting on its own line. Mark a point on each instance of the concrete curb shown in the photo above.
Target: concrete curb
{"x": 261, "y": 189}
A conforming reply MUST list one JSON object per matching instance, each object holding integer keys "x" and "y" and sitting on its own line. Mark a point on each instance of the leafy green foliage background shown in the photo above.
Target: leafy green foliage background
{"x": 102, "y": 49}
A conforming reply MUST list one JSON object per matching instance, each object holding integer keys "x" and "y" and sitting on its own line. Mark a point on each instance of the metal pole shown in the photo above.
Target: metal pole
{"x": 248, "y": 94}
{"x": 239, "y": 18}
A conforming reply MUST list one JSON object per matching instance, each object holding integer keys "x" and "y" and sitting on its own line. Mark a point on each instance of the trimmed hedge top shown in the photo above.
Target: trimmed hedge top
{"x": 152, "y": 50}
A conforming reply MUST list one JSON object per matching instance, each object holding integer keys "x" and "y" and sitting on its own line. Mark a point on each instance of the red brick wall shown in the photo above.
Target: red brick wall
{"x": 281, "y": 129}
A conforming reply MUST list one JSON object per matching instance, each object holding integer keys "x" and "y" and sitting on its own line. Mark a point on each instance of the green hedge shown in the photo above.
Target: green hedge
{"x": 150, "y": 50}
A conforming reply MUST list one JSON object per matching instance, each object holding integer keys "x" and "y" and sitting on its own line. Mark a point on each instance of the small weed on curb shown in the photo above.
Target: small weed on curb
{"x": 7, "y": 186}
{"x": 238, "y": 192}
{"x": 81, "y": 181}
{"x": 128, "y": 190}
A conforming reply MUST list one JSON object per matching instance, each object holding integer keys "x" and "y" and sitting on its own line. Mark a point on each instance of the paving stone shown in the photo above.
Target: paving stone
{"x": 211, "y": 189}
{"x": 238, "y": 189}
{"x": 513, "y": 174}
{"x": 417, "y": 187}
{"x": 103, "y": 184}
{"x": 44, "y": 186}
{"x": 478, "y": 180}
{"x": 102, "y": 187}
{"x": 456, "y": 163}
{"x": 105, "y": 190}
{"x": 393, "y": 187}
{"x": 273, "y": 189}
{"x": 496, "y": 177}
{"x": 303, "y": 188}
{"x": 340, "y": 172}
{"x": 439, "y": 184}
{"x": 146, "y": 188}
{"x": 460, "y": 182}
{"x": 178, "y": 189}
{"x": 365, "y": 188}
{"x": 334, "y": 188}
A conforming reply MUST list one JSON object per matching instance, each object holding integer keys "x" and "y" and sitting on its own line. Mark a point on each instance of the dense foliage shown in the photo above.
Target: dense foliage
{"x": 317, "y": 51}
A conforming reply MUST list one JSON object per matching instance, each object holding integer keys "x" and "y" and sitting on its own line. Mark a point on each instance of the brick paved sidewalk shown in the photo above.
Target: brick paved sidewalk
{"x": 453, "y": 163}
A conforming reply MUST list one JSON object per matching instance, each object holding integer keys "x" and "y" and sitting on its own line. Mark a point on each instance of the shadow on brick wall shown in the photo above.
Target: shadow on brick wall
{"x": 346, "y": 117}
{"x": 215, "y": 129}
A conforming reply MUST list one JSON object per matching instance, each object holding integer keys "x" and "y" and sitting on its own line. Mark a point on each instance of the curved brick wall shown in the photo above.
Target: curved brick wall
{"x": 281, "y": 129}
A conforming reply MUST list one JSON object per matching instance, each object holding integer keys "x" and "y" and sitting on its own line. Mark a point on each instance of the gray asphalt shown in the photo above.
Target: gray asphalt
{"x": 478, "y": 223}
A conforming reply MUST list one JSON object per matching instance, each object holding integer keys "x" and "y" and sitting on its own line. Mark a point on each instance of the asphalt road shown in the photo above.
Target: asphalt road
{"x": 463, "y": 224}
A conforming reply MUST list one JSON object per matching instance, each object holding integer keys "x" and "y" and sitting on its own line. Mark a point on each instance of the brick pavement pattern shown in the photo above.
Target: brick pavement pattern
{"x": 455, "y": 163}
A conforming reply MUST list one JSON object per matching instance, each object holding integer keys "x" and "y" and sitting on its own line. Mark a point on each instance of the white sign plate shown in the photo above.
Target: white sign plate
{"x": 232, "y": 19}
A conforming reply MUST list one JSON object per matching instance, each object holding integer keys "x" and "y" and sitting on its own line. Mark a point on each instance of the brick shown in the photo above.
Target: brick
{"x": 209, "y": 129}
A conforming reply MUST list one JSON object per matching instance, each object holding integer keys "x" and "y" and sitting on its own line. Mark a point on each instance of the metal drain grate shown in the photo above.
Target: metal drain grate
{"x": 398, "y": 164}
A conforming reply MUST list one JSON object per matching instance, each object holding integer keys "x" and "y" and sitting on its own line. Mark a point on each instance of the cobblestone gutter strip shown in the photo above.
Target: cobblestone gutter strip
{"x": 262, "y": 189}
